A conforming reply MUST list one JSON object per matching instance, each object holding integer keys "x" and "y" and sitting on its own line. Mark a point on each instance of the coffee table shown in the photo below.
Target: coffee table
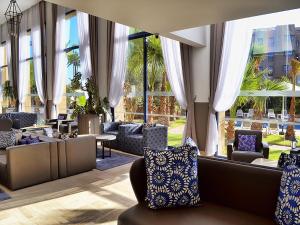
{"x": 295, "y": 151}
{"x": 104, "y": 138}
{"x": 265, "y": 162}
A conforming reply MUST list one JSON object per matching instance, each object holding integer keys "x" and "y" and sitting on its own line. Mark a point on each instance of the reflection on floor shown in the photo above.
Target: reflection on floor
{"x": 95, "y": 197}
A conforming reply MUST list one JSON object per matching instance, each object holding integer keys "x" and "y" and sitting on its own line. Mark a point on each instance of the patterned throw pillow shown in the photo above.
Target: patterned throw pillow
{"x": 7, "y": 139}
{"x": 288, "y": 159}
{"x": 172, "y": 177}
{"x": 288, "y": 204}
{"x": 33, "y": 140}
{"x": 189, "y": 141}
{"x": 246, "y": 142}
{"x": 29, "y": 140}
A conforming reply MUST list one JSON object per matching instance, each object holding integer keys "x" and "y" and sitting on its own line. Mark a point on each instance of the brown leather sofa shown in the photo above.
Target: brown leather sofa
{"x": 74, "y": 155}
{"x": 26, "y": 165}
{"x": 79, "y": 155}
{"x": 232, "y": 193}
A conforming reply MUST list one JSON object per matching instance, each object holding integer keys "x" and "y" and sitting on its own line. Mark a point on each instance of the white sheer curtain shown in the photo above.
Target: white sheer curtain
{"x": 8, "y": 59}
{"x": 172, "y": 60}
{"x": 236, "y": 47}
{"x": 24, "y": 67}
{"x": 36, "y": 51}
{"x": 119, "y": 64}
{"x": 84, "y": 44}
{"x": 1, "y": 64}
{"x": 60, "y": 65}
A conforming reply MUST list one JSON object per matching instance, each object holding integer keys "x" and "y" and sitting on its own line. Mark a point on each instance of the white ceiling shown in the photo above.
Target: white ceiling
{"x": 162, "y": 16}
{"x": 24, "y": 4}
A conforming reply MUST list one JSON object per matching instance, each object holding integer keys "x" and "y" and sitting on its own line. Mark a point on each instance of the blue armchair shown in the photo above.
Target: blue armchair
{"x": 132, "y": 138}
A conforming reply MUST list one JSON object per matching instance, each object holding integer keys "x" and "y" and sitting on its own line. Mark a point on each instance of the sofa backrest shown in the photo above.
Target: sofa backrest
{"x": 241, "y": 186}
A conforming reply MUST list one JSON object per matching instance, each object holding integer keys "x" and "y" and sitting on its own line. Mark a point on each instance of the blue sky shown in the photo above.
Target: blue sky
{"x": 73, "y": 40}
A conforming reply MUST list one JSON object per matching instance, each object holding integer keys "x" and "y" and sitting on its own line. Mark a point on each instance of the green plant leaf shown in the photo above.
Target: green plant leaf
{"x": 81, "y": 101}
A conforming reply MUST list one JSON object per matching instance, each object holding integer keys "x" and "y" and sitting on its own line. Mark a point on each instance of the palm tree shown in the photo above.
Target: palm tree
{"x": 156, "y": 69}
{"x": 155, "y": 66}
{"x": 73, "y": 60}
{"x": 254, "y": 79}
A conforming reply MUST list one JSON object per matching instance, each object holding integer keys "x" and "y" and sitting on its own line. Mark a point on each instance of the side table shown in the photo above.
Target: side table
{"x": 295, "y": 151}
{"x": 103, "y": 139}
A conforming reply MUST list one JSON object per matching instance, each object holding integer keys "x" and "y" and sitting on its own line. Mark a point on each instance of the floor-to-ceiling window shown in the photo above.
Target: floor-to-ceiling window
{"x": 147, "y": 93}
{"x": 73, "y": 61}
{"x": 5, "y": 85}
{"x": 270, "y": 91}
{"x": 33, "y": 103}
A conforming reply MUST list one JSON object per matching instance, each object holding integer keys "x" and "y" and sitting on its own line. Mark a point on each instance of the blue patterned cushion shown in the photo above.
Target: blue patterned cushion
{"x": 33, "y": 140}
{"x": 172, "y": 177}
{"x": 7, "y": 139}
{"x": 288, "y": 159}
{"x": 189, "y": 141}
{"x": 288, "y": 204}
{"x": 246, "y": 142}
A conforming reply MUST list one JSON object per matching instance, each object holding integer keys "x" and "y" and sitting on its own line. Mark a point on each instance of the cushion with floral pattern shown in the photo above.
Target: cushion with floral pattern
{"x": 288, "y": 204}
{"x": 172, "y": 177}
{"x": 191, "y": 142}
{"x": 288, "y": 159}
{"x": 246, "y": 142}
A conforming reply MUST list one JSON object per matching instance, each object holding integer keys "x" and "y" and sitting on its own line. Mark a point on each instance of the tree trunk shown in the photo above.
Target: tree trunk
{"x": 150, "y": 109}
{"x": 172, "y": 107}
{"x": 290, "y": 132}
{"x": 163, "y": 103}
{"x": 230, "y": 130}
{"x": 258, "y": 115}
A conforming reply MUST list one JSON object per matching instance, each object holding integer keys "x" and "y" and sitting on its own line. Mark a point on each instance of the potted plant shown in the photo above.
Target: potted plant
{"x": 8, "y": 94}
{"x": 88, "y": 107}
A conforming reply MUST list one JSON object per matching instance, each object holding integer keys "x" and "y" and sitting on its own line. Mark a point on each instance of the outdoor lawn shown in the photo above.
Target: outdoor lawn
{"x": 278, "y": 141}
{"x": 175, "y": 132}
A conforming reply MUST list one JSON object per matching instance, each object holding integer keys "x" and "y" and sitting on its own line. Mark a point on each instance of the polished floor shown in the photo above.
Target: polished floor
{"x": 95, "y": 197}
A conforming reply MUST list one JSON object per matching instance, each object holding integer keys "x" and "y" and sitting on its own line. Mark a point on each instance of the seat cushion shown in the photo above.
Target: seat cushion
{"x": 135, "y": 137}
{"x": 113, "y": 132}
{"x": 245, "y": 156}
{"x": 204, "y": 215}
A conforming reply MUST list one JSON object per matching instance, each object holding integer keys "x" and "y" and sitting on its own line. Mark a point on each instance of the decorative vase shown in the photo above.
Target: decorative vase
{"x": 88, "y": 124}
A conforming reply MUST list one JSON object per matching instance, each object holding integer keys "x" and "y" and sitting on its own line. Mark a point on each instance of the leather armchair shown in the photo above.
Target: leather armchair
{"x": 261, "y": 148}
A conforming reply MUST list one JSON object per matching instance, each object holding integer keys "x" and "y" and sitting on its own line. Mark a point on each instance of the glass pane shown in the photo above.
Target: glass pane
{"x": 163, "y": 107}
{"x": 73, "y": 63}
{"x": 131, "y": 105}
{"x": 265, "y": 102}
{"x": 72, "y": 29}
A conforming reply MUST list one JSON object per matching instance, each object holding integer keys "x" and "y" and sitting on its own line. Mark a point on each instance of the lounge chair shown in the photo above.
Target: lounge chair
{"x": 250, "y": 113}
{"x": 273, "y": 127}
{"x": 271, "y": 114}
{"x": 239, "y": 113}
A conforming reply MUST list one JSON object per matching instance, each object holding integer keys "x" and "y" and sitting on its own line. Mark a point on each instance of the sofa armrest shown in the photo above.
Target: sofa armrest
{"x": 156, "y": 137}
{"x": 28, "y": 165}
{"x": 16, "y": 124}
{"x": 265, "y": 150}
{"x": 109, "y": 126}
{"x": 230, "y": 149}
